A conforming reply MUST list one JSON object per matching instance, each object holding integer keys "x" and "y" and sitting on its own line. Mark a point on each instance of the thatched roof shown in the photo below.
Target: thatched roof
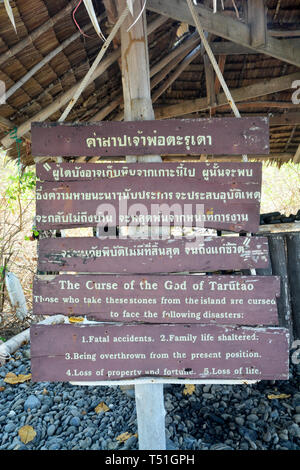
{"x": 250, "y": 73}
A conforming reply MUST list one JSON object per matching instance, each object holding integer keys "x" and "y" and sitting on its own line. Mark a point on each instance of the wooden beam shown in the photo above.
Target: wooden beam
{"x": 226, "y": 27}
{"x": 5, "y": 123}
{"x": 231, "y": 48}
{"x": 278, "y": 121}
{"x": 239, "y": 94}
{"x": 257, "y": 20}
{"x": 293, "y": 269}
{"x": 217, "y": 87}
{"x": 209, "y": 81}
{"x": 285, "y": 119}
{"x": 280, "y": 33}
{"x": 185, "y": 47}
{"x": 12, "y": 51}
{"x": 136, "y": 86}
{"x": 263, "y": 104}
{"x": 221, "y": 63}
{"x": 112, "y": 14}
{"x": 168, "y": 63}
{"x": 181, "y": 67}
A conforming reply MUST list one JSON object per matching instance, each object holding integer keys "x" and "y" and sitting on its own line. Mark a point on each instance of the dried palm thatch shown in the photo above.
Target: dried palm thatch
{"x": 47, "y": 47}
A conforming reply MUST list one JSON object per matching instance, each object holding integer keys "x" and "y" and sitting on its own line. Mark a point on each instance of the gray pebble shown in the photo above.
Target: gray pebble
{"x": 252, "y": 418}
{"x": 294, "y": 430}
{"x": 244, "y": 446}
{"x": 31, "y": 403}
{"x": 221, "y": 447}
{"x": 55, "y": 446}
{"x": 208, "y": 396}
{"x": 75, "y": 421}
{"x": 17, "y": 403}
{"x": 296, "y": 418}
{"x": 51, "y": 430}
{"x": 240, "y": 421}
{"x": 274, "y": 415}
{"x": 112, "y": 445}
{"x": 130, "y": 443}
{"x": 170, "y": 445}
{"x": 283, "y": 435}
{"x": 267, "y": 437}
{"x": 10, "y": 427}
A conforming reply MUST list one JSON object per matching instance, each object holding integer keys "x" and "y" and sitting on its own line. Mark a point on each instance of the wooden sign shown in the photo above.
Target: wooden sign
{"x": 218, "y": 136}
{"x": 115, "y": 352}
{"x": 90, "y": 254}
{"x": 230, "y": 204}
{"x": 231, "y": 300}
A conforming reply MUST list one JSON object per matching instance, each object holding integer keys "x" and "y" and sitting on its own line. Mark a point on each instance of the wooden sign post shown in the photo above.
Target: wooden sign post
{"x": 153, "y": 324}
{"x": 152, "y": 314}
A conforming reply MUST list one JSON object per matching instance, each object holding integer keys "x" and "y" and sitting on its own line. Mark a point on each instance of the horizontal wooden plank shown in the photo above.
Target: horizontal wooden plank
{"x": 202, "y": 172}
{"x": 238, "y": 300}
{"x": 190, "y": 200}
{"x": 245, "y": 93}
{"x": 215, "y": 206}
{"x": 114, "y": 352}
{"x": 90, "y": 254}
{"x": 193, "y": 136}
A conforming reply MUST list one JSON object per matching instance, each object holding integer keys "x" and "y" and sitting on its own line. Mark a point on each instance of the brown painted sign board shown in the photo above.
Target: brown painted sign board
{"x": 218, "y": 136}
{"x": 231, "y": 300}
{"x": 114, "y": 352}
{"x": 91, "y": 254}
{"x": 232, "y": 203}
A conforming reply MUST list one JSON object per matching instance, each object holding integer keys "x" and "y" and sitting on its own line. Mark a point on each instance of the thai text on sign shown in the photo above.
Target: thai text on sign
{"x": 90, "y": 254}
{"x": 230, "y": 204}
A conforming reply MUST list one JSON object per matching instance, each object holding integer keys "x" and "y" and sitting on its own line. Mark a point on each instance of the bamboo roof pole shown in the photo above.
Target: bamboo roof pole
{"x": 48, "y": 58}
